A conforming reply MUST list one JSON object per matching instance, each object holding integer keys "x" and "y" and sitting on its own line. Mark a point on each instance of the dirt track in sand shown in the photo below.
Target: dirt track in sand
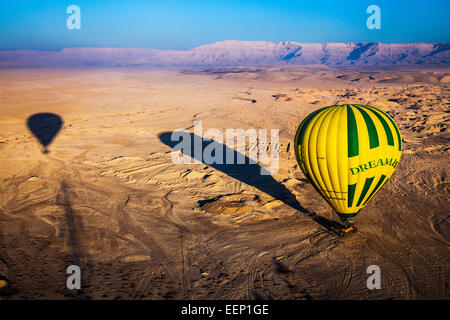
{"x": 108, "y": 198}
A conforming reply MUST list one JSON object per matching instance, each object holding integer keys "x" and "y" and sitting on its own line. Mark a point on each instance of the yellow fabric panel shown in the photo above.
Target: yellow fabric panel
{"x": 341, "y": 157}
{"x": 331, "y": 157}
{"x": 312, "y": 155}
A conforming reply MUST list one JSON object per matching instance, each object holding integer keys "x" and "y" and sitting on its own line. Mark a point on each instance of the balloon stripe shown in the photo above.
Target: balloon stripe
{"x": 366, "y": 187}
{"x": 329, "y": 168}
{"x": 363, "y": 156}
{"x": 351, "y": 194}
{"x": 389, "y": 136}
{"x": 375, "y": 189}
{"x": 353, "y": 147}
{"x": 341, "y": 156}
{"x": 298, "y": 141}
{"x": 399, "y": 139}
{"x": 313, "y": 143}
{"x": 307, "y": 147}
{"x": 371, "y": 129}
{"x": 305, "y": 124}
{"x": 398, "y": 134}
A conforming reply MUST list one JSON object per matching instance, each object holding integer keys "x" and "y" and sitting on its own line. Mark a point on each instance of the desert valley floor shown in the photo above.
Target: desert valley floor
{"x": 108, "y": 198}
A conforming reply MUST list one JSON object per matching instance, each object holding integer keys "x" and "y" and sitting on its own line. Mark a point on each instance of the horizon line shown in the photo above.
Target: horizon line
{"x": 211, "y": 43}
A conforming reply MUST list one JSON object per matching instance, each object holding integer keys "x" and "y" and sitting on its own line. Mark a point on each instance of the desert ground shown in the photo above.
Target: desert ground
{"x": 108, "y": 197}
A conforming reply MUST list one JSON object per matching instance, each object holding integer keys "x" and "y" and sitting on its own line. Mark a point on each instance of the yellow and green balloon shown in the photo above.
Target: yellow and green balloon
{"x": 348, "y": 152}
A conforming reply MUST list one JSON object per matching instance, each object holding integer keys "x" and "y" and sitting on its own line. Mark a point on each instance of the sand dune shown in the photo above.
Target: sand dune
{"x": 108, "y": 198}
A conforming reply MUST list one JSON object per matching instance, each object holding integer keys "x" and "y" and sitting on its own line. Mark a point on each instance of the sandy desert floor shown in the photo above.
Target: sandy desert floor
{"x": 107, "y": 197}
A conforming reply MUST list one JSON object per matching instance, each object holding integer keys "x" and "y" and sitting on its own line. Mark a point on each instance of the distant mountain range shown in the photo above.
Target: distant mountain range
{"x": 237, "y": 53}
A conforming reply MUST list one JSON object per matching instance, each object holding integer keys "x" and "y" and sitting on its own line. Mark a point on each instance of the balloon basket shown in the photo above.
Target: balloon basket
{"x": 347, "y": 229}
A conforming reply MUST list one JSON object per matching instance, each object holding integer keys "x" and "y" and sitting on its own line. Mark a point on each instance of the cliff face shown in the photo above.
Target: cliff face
{"x": 238, "y": 53}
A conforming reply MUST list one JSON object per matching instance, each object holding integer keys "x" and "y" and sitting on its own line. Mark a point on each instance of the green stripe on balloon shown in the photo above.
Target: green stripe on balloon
{"x": 371, "y": 129}
{"x": 377, "y": 187}
{"x": 352, "y": 133}
{"x": 366, "y": 188}
{"x": 399, "y": 139}
{"x": 387, "y": 130}
{"x": 351, "y": 194}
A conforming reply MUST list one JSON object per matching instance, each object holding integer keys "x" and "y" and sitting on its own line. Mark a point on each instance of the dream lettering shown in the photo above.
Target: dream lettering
{"x": 373, "y": 164}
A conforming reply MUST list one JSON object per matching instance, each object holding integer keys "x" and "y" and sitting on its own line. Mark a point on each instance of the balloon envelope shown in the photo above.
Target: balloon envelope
{"x": 348, "y": 152}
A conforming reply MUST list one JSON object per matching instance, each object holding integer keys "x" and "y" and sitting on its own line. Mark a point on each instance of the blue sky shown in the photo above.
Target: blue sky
{"x": 171, "y": 24}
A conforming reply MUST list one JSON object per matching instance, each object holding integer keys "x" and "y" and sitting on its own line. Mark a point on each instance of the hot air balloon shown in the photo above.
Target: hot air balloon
{"x": 348, "y": 152}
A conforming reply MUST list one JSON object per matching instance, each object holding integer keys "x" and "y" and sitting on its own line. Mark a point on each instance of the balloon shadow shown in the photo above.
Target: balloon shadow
{"x": 248, "y": 173}
{"x": 44, "y": 126}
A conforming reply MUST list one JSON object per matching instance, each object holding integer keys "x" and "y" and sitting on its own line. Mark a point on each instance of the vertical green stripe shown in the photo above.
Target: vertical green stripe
{"x": 371, "y": 129}
{"x": 399, "y": 139}
{"x": 351, "y": 194}
{"x": 366, "y": 187}
{"x": 352, "y": 133}
{"x": 390, "y": 138}
{"x": 376, "y": 188}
